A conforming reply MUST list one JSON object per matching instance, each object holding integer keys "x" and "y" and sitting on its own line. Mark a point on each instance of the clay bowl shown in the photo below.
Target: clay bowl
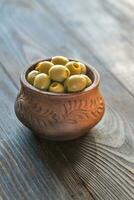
{"x": 59, "y": 116}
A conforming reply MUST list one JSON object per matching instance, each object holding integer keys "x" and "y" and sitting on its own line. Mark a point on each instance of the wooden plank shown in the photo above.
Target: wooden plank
{"x": 30, "y": 170}
{"x": 94, "y": 39}
{"x": 104, "y": 159}
{"x": 104, "y": 27}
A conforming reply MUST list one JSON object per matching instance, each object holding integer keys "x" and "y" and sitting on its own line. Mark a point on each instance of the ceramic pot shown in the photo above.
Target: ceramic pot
{"x": 60, "y": 116}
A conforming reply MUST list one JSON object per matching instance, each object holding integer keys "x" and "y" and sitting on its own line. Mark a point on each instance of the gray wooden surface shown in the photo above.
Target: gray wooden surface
{"x": 100, "y": 165}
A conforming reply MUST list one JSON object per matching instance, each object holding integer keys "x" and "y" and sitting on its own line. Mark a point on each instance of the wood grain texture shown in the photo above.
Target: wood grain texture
{"x": 103, "y": 28}
{"x": 102, "y": 163}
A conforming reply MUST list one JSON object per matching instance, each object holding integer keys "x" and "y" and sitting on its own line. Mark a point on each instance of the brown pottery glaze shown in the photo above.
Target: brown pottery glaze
{"x": 63, "y": 116}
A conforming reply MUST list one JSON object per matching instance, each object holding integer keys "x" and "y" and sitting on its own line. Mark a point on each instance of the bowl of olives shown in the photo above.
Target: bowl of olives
{"x": 59, "y": 98}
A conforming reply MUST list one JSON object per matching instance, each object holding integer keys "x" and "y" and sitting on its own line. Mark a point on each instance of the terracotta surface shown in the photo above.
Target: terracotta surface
{"x": 60, "y": 116}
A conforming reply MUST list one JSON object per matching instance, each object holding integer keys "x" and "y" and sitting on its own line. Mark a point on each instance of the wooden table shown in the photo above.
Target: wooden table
{"x": 100, "y": 165}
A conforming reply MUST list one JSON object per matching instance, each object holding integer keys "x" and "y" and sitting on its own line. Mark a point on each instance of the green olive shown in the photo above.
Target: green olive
{"x": 59, "y": 73}
{"x": 83, "y": 68}
{"x": 56, "y": 87}
{"x": 42, "y": 81}
{"x": 31, "y": 76}
{"x": 73, "y": 67}
{"x": 59, "y": 60}
{"x": 89, "y": 81}
{"x": 44, "y": 66}
{"x": 75, "y": 83}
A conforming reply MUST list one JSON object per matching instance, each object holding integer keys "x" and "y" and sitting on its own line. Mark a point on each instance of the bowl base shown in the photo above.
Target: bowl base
{"x": 52, "y": 138}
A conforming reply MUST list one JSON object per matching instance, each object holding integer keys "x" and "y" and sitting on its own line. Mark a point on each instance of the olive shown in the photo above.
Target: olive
{"x": 42, "y": 81}
{"x": 59, "y": 73}
{"x": 89, "y": 81}
{"x": 75, "y": 83}
{"x": 83, "y": 68}
{"x": 73, "y": 67}
{"x": 44, "y": 66}
{"x": 56, "y": 87}
{"x": 31, "y": 76}
{"x": 59, "y": 60}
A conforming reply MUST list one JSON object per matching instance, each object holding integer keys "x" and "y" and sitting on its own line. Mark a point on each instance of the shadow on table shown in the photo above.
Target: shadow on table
{"x": 76, "y": 158}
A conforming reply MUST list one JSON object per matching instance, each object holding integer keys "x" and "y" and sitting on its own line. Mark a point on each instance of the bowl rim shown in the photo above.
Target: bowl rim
{"x": 27, "y": 85}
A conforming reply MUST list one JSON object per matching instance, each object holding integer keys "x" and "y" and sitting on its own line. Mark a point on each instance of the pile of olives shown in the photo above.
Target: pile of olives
{"x": 59, "y": 75}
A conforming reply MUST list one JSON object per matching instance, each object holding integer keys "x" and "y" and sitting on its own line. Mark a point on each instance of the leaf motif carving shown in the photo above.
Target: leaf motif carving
{"x": 70, "y": 112}
{"x": 79, "y": 111}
